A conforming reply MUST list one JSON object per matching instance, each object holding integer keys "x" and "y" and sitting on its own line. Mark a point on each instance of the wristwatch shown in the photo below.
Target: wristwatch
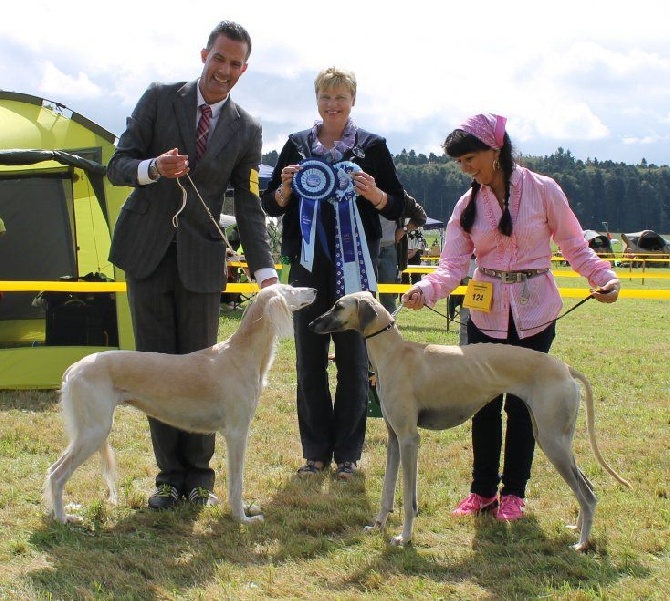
{"x": 153, "y": 170}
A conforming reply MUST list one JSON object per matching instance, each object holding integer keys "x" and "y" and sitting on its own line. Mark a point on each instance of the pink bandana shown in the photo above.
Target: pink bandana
{"x": 488, "y": 128}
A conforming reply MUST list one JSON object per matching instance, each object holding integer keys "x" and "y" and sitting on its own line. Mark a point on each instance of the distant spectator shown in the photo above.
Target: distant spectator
{"x": 393, "y": 252}
{"x": 416, "y": 246}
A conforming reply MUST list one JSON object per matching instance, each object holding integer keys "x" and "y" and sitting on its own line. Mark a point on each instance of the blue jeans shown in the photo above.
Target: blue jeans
{"x": 387, "y": 268}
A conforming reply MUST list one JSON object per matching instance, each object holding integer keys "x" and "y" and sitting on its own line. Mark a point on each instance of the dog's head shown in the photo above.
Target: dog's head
{"x": 296, "y": 298}
{"x": 278, "y": 303}
{"x": 359, "y": 311}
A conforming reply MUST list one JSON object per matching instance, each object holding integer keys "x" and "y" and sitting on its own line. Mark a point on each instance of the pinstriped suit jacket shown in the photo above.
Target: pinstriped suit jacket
{"x": 165, "y": 118}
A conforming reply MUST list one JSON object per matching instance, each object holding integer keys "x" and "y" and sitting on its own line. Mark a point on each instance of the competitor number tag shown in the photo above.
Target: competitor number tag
{"x": 478, "y": 296}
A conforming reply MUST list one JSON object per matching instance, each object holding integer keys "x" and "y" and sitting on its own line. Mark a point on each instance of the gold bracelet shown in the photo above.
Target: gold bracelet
{"x": 381, "y": 201}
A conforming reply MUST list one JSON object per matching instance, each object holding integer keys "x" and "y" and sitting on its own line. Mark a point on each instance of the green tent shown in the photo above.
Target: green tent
{"x": 58, "y": 209}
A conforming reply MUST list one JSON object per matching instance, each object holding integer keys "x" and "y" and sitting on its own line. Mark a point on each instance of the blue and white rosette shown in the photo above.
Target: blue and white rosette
{"x": 318, "y": 181}
{"x": 353, "y": 266}
{"x": 313, "y": 183}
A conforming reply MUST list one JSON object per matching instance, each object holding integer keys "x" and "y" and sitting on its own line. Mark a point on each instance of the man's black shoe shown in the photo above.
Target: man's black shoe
{"x": 164, "y": 497}
{"x": 201, "y": 496}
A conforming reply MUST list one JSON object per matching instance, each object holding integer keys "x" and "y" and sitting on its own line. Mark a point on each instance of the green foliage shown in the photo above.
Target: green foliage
{"x": 628, "y": 197}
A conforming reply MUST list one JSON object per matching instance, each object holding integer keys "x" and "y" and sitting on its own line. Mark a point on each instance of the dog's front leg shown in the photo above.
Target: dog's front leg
{"x": 390, "y": 479}
{"x": 409, "y": 459}
{"x": 237, "y": 445}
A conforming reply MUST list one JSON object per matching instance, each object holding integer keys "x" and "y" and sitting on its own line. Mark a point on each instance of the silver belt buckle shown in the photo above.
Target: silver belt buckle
{"x": 510, "y": 278}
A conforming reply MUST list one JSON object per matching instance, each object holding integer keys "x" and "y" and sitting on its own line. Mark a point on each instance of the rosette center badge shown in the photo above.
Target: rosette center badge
{"x": 316, "y": 180}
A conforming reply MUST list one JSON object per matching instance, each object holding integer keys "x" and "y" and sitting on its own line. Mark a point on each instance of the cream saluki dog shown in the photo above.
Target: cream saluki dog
{"x": 439, "y": 387}
{"x": 212, "y": 390}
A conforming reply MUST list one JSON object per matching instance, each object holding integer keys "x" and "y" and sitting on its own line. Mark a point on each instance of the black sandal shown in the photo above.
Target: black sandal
{"x": 311, "y": 468}
{"x": 346, "y": 470}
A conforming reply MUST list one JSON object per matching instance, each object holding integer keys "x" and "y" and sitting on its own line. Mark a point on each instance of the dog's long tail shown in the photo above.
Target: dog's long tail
{"x": 109, "y": 473}
{"x": 88, "y": 425}
{"x": 591, "y": 426}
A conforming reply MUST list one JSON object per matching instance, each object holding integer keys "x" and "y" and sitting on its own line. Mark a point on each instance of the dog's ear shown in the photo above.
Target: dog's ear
{"x": 366, "y": 314}
{"x": 280, "y": 315}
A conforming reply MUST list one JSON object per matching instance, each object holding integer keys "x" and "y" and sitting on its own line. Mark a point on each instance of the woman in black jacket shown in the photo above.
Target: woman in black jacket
{"x": 331, "y": 184}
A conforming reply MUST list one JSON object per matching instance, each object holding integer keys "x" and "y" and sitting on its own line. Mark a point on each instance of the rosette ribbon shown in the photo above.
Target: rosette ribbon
{"x": 317, "y": 182}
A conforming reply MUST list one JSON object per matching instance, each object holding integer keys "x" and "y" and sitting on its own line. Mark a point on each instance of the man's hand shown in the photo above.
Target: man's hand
{"x": 269, "y": 281}
{"x": 172, "y": 164}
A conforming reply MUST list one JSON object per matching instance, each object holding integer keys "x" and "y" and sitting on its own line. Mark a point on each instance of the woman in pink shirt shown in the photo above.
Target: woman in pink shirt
{"x": 507, "y": 220}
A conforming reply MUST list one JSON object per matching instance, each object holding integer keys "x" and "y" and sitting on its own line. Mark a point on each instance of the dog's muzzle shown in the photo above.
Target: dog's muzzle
{"x": 321, "y": 325}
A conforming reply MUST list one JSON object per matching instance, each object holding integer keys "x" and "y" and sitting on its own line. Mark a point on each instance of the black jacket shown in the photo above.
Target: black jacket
{"x": 417, "y": 215}
{"x": 371, "y": 154}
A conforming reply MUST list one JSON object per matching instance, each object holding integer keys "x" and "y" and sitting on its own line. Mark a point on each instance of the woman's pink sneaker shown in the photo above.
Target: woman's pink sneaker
{"x": 475, "y": 504}
{"x": 510, "y": 508}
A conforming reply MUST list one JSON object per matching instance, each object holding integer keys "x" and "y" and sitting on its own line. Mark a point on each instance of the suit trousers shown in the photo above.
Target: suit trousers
{"x": 167, "y": 318}
{"x": 328, "y": 430}
{"x": 487, "y": 426}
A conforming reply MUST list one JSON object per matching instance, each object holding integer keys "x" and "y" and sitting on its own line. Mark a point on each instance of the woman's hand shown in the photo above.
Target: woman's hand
{"x": 366, "y": 186}
{"x": 287, "y": 174}
{"x": 608, "y": 293}
{"x": 413, "y": 298}
{"x": 283, "y": 193}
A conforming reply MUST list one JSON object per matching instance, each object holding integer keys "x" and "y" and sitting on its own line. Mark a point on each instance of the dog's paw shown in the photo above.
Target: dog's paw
{"x": 400, "y": 541}
{"x": 253, "y": 509}
{"x": 253, "y": 519}
{"x": 584, "y": 547}
{"x": 70, "y": 518}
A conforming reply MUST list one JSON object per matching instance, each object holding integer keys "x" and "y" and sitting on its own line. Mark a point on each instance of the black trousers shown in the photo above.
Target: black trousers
{"x": 329, "y": 428}
{"x": 167, "y": 318}
{"x": 487, "y": 427}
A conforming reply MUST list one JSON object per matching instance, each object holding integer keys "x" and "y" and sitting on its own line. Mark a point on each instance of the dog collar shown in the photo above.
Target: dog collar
{"x": 388, "y": 327}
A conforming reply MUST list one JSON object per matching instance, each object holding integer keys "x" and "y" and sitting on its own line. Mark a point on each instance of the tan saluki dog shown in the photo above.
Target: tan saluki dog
{"x": 438, "y": 387}
{"x": 212, "y": 390}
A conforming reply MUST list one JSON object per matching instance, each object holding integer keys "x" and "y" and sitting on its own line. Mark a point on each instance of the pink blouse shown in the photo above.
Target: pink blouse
{"x": 540, "y": 212}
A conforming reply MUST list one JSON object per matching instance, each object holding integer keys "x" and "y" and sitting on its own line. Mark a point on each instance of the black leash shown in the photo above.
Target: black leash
{"x": 581, "y": 302}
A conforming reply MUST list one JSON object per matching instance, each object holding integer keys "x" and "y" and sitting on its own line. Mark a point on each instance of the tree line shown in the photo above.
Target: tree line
{"x": 628, "y": 198}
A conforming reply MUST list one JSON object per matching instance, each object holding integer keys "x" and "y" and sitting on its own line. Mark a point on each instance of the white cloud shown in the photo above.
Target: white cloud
{"x": 591, "y": 77}
{"x": 53, "y": 81}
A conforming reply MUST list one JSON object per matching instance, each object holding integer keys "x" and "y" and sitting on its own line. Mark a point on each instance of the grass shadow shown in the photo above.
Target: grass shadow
{"x": 185, "y": 548}
{"x": 320, "y": 511}
{"x": 507, "y": 560}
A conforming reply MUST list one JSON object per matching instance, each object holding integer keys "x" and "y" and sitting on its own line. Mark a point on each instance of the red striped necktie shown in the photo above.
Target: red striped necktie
{"x": 203, "y": 131}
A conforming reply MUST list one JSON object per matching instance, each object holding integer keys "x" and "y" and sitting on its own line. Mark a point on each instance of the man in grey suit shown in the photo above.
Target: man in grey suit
{"x": 171, "y": 251}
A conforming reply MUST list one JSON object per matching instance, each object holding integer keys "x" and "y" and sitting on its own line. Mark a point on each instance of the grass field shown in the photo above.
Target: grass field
{"x": 313, "y": 545}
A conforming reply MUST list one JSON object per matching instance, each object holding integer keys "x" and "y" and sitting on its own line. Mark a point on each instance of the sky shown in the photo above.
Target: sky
{"x": 588, "y": 76}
